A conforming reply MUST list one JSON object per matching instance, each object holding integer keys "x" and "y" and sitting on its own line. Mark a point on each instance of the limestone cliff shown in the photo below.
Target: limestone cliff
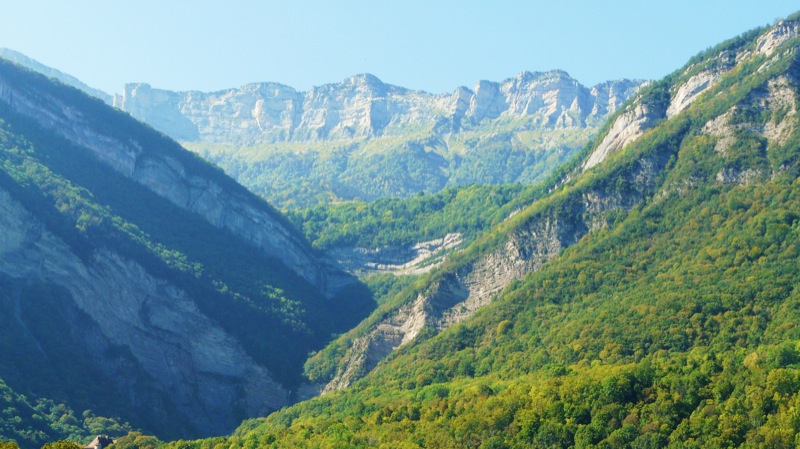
{"x": 141, "y": 282}
{"x": 346, "y": 140}
{"x": 189, "y": 365}
{"x": 173, "y": 177}
{"x": 597, "y": 191}
{"x": 363, "y": 106}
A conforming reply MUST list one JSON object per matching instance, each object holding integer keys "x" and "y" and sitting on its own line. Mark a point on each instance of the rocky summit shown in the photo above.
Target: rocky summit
{"x": 346, "y": 140}
{"x": 363, "y": 106}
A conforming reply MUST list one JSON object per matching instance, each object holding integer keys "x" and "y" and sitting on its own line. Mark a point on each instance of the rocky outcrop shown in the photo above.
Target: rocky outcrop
{"x": 692, "y": 82}
{"x": 196, "y": 368}
{"x": 778, "y": 99}
{"x": 364, "y": 139}
{"x": 626, "y": 128}
{"x": 223, "y": 204}
{"x": 413, "y": 259}
{"x": 689, "y": 91}
{"x": 362, "y": 106}
{"x": 532, "y": 241}
{"x": 778, "y": 34}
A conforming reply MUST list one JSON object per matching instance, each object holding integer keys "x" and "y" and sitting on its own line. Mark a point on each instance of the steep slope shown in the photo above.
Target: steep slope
{"x": 50, "y": 72}
{"x": 140, "y": 282}
{"x": 346, "y": 140}
{"x": 538, "y": 234}
{"x": 757, "y": 114}
{"x": 33, "y": 423}
{"x": 651, "y": 301}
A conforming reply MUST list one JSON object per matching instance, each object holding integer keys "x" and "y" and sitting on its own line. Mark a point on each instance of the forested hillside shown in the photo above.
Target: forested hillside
{"x": 659, "y": 303}
{"x": 35, "y": 423}
{"x": 138, "y": 281}
{"x": 403, "y": 221}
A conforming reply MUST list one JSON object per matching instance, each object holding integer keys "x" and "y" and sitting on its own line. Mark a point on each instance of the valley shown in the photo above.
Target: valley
{"x": 529, "y": 263}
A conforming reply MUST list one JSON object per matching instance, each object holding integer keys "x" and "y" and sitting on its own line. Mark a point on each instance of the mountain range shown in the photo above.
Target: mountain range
{"x": 644, "y": 294}
{"x": 191, "y": 301}
{"x": 647, "y": 298}
{"x": 345, "y": 140}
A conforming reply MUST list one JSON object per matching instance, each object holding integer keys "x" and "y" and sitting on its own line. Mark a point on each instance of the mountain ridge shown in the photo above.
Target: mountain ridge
{"x": 50, "y": 72}
{"x": 342, "y": 141}
{"x": 661, "y": 312}
{"x": 273, "y": 112}
{"x": 139, "y": 280}
{"x": 468, "y": 281}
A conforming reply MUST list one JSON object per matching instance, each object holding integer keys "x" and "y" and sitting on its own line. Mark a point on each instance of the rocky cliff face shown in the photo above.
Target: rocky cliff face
{"x": 192, "y": 366}
{"x": 412, "y": 259}
{"x": 363, "y": 106}
{"x": 132, "y": 268}
{"x": 226, "y": 207}
{"x": 346, "y": 140}
{"x": 693, "y": 82}
{"x": 766, "y": 115}
{"x": 532, "y": 241}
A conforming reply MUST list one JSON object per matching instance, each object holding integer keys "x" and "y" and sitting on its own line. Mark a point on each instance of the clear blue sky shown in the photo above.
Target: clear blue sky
{"x": 429, "y": 45}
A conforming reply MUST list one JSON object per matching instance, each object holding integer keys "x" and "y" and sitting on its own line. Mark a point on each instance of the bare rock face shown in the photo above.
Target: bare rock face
{"x": 233, "y": 209}
{"x": 459, "y": 293}
{"x": 778, "y": 34}
{"x": 626, "y": 128}
{"x": 362, "y": 106}
{"x": 413, "y": 259}
{"x": 161, "y": 106}
{"x": 347, "y": 140}
{"x": 689, "y": 91}
{"x": 204, "y": 372}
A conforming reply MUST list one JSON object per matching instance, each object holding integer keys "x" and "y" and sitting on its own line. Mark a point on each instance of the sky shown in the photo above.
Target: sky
{"x": 430, "y": 45}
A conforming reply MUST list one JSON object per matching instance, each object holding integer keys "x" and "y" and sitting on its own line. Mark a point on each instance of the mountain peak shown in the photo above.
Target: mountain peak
{"x": 366, "y": 79}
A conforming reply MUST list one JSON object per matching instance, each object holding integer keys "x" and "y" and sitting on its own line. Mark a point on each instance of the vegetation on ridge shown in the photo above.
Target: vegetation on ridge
{"x": 276, "y": 315}
{"x": 673, "y": 326}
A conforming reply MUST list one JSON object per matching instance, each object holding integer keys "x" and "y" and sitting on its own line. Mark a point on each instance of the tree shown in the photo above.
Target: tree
{"x": 62, "y": 444}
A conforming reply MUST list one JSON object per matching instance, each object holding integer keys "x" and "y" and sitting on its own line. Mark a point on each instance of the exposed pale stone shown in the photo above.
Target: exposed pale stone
{"x": 414, "y": 259}
{"x": 626, "y": 128}
{"x": 363, "y": 106}
{"x": 777, "y": 35}
{"x": 205, "y": 373}
{"x": 689, "y": 91}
